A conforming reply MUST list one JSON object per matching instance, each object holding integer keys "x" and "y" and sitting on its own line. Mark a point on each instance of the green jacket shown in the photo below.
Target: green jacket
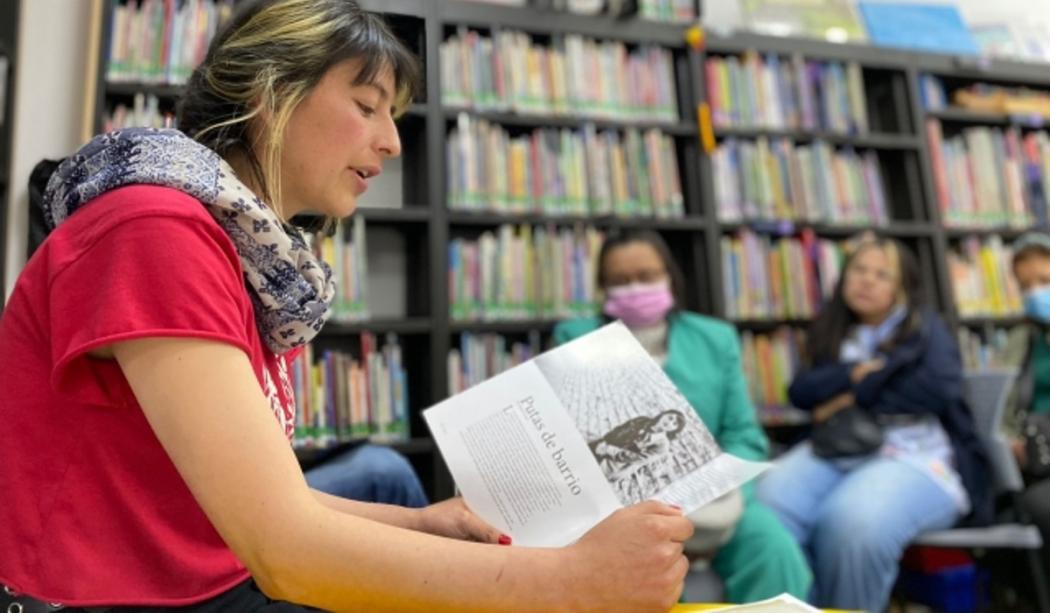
{"x": 703, "y": 360}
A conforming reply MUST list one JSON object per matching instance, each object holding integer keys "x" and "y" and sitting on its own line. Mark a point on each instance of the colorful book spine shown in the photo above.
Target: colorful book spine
{"x": 481, "y": 356}
{"x": 340, "y": 397}
{"x": 523, "y": 273}
{"x": 777, "y": 278}
{"x": 345, "y": 250}
{"x": 989, "y": 177}
{"x": 770, "y": 362}
{"x": 763, "y": 180}
{"x": 509, "y": 71}
{"x": 786, "y": 93}
{"x": 563, "y": 172}
{"x": 161, "y": 41}
{"x": 982, "y": 281}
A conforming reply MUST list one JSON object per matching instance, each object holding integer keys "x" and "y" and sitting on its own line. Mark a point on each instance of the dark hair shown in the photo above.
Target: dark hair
{"x": 620, "y": 238}
{"x": 833, "y": 323}
{"x": 268, "y": 57}
{"x": 1028, "y": 244}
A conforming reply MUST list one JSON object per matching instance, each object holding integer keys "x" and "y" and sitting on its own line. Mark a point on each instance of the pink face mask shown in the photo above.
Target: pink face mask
{"x": 639, "y": 305}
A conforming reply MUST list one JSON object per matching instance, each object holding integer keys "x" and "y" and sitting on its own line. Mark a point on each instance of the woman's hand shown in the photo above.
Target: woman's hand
{"x": 865, "y": 368}
{"x": 453, "y": 519}
{"x": 632, "y": 561}
{"x": 825, "y": 410}
{"x": 1017, "y": 445}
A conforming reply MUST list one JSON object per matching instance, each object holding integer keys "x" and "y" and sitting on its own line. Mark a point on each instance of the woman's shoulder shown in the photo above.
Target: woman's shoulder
{"x": 574, "y": 328}
{"x": 122, "y": 213}
{"x": 717, "y": 330}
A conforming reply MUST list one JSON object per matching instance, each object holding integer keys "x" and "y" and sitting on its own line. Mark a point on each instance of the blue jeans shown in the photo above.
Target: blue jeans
{"x": 370, "y": 473}
{"x": 854, "y": 518}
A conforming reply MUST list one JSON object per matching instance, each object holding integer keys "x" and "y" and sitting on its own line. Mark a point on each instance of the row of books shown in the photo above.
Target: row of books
{"x": 1022, "y": 102}
{"x": 770, "y": 91}
{"x": 778, "y": 179}
{"x": 676, "y": 11}
{"x": 341, "y": 397}
{"x": 481, "y": 356}
{"x": 778, "y": 278}
{"x": 161, "y": 41}
{"x": 558, "y": 172}
{"x": 982, "y": 279}
{"x": 524, "y": 273}
{"x": 990, "y": 176}
{"x": 144, "y": 112}
{"x": 345, "y": 251}
{"x": 573, "y": 75}
{"x": 770, "y": 362}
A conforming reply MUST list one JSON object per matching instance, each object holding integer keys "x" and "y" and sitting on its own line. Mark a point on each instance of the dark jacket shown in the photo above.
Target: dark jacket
{"x": 922, "y": 375}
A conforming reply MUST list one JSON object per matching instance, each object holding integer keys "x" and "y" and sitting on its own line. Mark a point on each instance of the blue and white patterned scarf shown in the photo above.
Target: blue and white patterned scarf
{"x": 290, "y": 288}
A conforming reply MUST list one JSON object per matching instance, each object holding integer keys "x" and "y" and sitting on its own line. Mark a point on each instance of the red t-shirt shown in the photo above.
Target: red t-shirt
{"x": 94, "y": 512}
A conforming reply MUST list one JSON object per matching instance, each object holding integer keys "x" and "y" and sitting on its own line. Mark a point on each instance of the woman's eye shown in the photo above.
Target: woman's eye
{"x": 366, "y": 110}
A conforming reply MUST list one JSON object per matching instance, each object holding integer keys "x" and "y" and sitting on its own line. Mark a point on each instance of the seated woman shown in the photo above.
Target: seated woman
{"x": 752, "y": 552}
{"x": 1030, "y": 399}
{"x": 873, "y": 346}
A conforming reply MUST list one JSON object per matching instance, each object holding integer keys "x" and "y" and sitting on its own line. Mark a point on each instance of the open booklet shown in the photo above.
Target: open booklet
{"x": 549, "y": 448}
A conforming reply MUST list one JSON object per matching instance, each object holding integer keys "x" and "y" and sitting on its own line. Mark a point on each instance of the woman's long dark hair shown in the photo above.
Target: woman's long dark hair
{"x": 616, "y": 239}
{"x": 832, "y": 325}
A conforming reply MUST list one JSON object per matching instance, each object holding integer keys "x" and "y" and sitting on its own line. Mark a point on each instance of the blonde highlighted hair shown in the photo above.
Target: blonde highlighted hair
{"x": 267, "y": 58}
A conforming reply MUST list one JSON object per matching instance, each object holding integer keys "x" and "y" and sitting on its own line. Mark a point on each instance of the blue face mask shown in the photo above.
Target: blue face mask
{"x": 1037, "y": 304}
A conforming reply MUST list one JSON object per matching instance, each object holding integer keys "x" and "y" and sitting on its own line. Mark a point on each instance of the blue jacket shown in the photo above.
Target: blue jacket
{"x": 922, "y": 375}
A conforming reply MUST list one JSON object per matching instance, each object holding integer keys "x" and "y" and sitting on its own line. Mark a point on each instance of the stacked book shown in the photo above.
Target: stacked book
{"x": 786, "y": 93}
{"x": 982, "y": 279}
{"x": 563, "y": 172}
{"x": 524, "y": 273}
{"x": 989, "y": 177}
{"x": 573, "y": 75}
{"x": 778, "y": 278}
{"x": 161, "y": 41}
{"x": 778, "y": 180}
{"x": 340, "y": 397}
{"x": 480, "y": 356}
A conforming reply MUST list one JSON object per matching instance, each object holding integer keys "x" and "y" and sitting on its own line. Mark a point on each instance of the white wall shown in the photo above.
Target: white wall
{"x": 49, "y": 95}
{"x": 726, "y": 13}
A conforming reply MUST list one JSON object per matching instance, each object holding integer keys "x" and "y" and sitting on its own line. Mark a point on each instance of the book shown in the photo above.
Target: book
{"x": 832, "y": 20}
{"x": 549, "y": 448}
{"x": 924, "y": 26}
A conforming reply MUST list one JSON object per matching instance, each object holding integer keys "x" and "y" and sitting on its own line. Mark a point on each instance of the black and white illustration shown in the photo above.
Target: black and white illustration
{"x": 642, "y": 431}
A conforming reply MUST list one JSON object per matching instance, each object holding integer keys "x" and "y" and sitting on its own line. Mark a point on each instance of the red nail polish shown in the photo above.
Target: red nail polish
{"x": 504, "y": 539}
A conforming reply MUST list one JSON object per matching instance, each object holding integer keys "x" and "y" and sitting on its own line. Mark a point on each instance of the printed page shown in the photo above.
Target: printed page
{"x": 785, "y": 603}
{"x": 519, "y": 461}
{"x": 645, "y": 436}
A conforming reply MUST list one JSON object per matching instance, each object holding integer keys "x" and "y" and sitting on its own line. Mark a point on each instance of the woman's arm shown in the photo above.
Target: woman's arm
{"x": 930, "y": 382}
{"x": 819, "y": 384}
{"x": 204, "y": 403}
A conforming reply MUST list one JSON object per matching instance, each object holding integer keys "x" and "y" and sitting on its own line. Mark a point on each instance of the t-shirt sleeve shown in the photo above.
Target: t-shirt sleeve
{"x": 152, "y": 276}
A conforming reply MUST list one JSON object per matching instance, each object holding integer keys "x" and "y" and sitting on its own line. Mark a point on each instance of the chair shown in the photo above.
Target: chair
{"x": 986, "y": 393}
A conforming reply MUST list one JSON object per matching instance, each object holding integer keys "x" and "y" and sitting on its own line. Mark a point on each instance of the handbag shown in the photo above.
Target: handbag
{"x": 850, "y": 432}
{"x": 1037, "y": 445}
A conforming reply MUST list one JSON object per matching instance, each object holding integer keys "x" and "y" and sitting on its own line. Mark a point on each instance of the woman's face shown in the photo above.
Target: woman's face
{"x": 633, "y": 262}
{"x": 337, "y": 139}
{"x": 871, "y": 286}
{"x": 667, "y": 423}
{"x": 1032, "y": 271}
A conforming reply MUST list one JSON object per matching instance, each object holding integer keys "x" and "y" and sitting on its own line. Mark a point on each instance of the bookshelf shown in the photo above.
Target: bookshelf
{"x": 8, "y": 72}
{"x": 411, "y": 223}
